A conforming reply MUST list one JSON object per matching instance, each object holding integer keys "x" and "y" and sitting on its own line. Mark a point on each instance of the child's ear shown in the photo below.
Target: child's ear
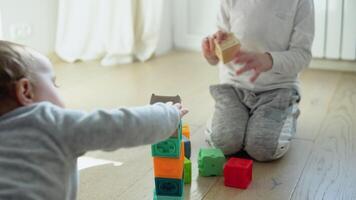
{"x": 24, "y": 92}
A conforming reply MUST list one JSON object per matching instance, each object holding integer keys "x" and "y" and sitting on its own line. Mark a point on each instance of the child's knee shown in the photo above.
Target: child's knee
{"x": 227, "y": 142}
{"x": 267, "y": 153}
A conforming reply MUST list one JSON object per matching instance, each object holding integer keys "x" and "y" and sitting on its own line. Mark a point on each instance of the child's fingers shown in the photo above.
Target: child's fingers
{"x": 178, "y": 105}
{"x": 205, "y": 43}
{"x": 255, "y": 76}
{"x": 211, "y": 44}
{"x": 205, "y": 46}
{"x": 244, "y": 69}
{"x": 220, "y": 36}
{"x": 183, "y": 112}
{"x": 243, "y": 58}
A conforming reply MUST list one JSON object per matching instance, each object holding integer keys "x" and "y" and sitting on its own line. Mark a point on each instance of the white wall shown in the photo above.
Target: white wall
{"x": 193, "y": 20}
{"x": 30, "y": 22}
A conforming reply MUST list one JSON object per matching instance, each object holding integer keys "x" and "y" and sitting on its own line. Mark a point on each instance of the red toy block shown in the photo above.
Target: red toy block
{"x": 238, "y": 173}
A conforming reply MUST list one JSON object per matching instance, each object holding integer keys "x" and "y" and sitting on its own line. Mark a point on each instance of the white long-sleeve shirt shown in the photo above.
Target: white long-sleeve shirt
{"x": 284, "y": 28}
{"x": 39, "y": 144}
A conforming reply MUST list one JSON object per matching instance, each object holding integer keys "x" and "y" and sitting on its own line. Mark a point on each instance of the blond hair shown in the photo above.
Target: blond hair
{"x": 15, "y": 62}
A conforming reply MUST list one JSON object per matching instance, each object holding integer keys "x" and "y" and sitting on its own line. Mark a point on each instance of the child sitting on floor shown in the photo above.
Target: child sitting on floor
{"x": 256, "y": 104}
{"x": 40, "y": 140}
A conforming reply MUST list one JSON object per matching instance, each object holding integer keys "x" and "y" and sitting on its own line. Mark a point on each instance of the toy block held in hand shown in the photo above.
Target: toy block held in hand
{"x": 169, "y": 167}
{"x": 169, "y": 147}
{"x": 227, "y": 49}
{"x": 187, "y": 147}
{"x": 187, "y": 171}
{"x": 169, "y": 187}
{"x": 186, "y": 130}
{"x": 211, "y": 162}
{"x": 238, "y": 173}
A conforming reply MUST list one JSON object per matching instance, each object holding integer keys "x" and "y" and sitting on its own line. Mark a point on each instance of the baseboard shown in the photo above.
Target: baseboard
{"x": 339, "y": 65}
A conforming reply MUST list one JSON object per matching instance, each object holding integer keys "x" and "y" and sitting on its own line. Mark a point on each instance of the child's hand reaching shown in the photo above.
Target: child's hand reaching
{"x": 182, "y": 111}
{"x": 258, "y": 62}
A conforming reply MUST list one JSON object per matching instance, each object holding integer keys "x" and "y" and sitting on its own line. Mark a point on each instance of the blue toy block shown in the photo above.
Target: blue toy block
{"x": 169, "y": 147}
{"x": 169, "y": 186}
{"x": 159, "y": 197}
{"x": 187, "y": 147}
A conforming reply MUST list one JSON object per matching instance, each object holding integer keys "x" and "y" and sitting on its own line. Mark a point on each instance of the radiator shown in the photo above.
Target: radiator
{"x": 335, "y": 29}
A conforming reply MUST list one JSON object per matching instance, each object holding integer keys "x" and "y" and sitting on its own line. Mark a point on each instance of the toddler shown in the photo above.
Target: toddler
{"x": 256, "y": 104}
{"x": 40, "y": 140}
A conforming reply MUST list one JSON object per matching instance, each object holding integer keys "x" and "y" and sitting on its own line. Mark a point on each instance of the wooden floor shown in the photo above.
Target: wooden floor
{"x": 320, "y": 165}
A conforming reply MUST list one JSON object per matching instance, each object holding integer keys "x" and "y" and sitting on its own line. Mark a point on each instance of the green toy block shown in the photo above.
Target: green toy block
{"x": 187, "y": 171}
{"x": 211, "y": 162}
{"x": 159, "y": 197}
{"x": 169, "y": 147}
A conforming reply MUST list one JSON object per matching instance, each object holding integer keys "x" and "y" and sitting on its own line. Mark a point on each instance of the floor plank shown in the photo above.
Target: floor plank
{"x": 317, "y": 89}
{"x": 330, "y": 172}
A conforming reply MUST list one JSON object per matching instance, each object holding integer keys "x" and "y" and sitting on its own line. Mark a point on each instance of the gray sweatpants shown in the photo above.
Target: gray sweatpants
{"x": 262, "y": 123}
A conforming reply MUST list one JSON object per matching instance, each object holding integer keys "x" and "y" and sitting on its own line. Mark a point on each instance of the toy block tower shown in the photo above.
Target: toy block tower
{"x": 168, "y": 160}
{"x": 227, "y": 49}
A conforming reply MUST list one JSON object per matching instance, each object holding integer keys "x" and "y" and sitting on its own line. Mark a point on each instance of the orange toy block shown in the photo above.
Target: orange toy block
{"x": 227, "y": 49}
{"x": 186, "y": 131}
{"x": 169, "y": 167}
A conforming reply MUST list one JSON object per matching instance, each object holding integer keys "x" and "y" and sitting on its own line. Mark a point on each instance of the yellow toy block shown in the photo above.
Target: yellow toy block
{"x": 169, "y": 167}
{"x": 227, "y": 49}
{"x": 186, "y": 131}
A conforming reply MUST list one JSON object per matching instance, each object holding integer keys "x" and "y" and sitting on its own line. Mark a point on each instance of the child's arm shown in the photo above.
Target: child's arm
{"x": 298, "y": 56}
{"x": 109, "y": 130}
{"x": 291, "y": 61}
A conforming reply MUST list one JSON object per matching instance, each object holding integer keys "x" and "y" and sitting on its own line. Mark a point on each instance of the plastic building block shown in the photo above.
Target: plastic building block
{"x": 159, "y": 197}
{"x": 187, "y": 147}
{"x": 165, "y": 99}
{"x": 186, "y": 131}
{"x": 227, "y": 49}
{"x": 187, "y": 171}
{"x": 169, "y": 187}
{"x": 169, "y": 147}
{"x": 211, "y": 162}
{"x": 169, "y": 167}
{"x": 238, "y": 173}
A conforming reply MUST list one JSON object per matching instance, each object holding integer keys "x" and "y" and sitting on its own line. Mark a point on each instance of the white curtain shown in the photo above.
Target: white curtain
{"x": 115, "y": 31}
{"x": 0, "y": 26}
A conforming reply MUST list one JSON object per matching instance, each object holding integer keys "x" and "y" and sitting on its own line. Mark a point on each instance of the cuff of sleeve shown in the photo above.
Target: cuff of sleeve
{"x": 276, "y": 60}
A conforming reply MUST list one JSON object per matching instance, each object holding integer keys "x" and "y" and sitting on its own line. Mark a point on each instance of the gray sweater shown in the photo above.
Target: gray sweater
{"x": 39, "y": 144}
